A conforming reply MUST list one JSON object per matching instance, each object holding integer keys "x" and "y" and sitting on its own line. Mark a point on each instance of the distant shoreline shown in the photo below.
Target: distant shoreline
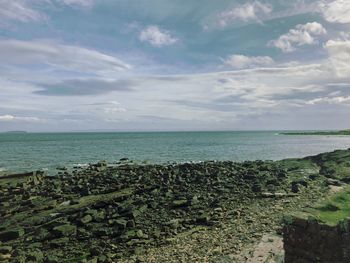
{"x": 342, "y": 132}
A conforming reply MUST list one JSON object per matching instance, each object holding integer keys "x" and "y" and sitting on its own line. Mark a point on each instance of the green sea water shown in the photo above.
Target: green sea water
{"x": 31, "y": 151}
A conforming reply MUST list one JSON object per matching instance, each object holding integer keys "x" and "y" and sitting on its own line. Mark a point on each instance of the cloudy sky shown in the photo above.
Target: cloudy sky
{"x": 71, "y": 65}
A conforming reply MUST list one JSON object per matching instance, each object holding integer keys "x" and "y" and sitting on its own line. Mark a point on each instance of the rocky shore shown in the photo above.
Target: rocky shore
{"x": 192, "y": 212}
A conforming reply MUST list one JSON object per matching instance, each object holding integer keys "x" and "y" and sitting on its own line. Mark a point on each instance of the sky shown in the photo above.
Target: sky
{"x": 161, "y": 65}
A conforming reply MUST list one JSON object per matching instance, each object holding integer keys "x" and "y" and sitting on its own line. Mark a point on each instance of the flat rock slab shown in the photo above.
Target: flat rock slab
{"x": 268, "y": 250}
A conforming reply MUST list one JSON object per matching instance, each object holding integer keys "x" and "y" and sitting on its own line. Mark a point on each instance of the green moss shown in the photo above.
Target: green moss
{"x": 334, "y": 209}
{"x": 298, "y": 168}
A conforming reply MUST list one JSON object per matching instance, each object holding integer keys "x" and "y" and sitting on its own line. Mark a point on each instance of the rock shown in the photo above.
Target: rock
{"x": 93, "y": 260}
{"x": 104, "y": 231}
{"x": 86, "y": 219}
{"x": 174, "y": 223}
{"x": 101, "y": 164}
{"x": 335, "y": 182}
{"x": 97, "y": 216}
{"x": 96, "y": 251}
{"x": 65, "y": 203}
{"x": 11, "y": 234}
{"x": 65, "y": 230}
{"x": 121, "y": 223}
{"x": 275, "y": 195}
{"x": 180, "y": 203}
{"x": 129, "y": 235}
{"x": 256, "y": 188}
{"x": 57, "y": 243}
{"x": 35, "y": 256}
{"x": 295, "y": 185}
{"x": 139, "y": 233}
{"x": 5, "y": 258}
{"x": 5, "y": 249}
{"x": 42, "y": 234}
{"x": 203, "y": 219}
{"x": 267, "y": 195}
{"x": 295, "y": 188}
{"x": 102, "y": 258}
{"x": 194, "y": 200}
{"x": 52, "y": 259}
{"x": 130, "y": 223}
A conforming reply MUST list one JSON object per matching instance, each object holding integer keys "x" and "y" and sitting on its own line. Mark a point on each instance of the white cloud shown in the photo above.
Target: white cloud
{"x": 18, "y": 10}
{"x": 241, "y": 61}
{"x": 25, "y": 10}
{"x": 60, "y": 56}
{"x": 247, "y": 12}
{"x": 112, "y": 108}
{"x": 82, "y": 3}
{"x": 157, "y": 37}
{"x": 336, "y": 11}
{"x": 339, "y": 52}
{"x": 17, "y": 118}
{"x": 330, "y": 100}
{"x": 299, "y": 36}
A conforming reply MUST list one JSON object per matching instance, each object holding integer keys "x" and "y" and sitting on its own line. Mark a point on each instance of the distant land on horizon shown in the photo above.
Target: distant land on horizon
{"x": 340, "y": 132}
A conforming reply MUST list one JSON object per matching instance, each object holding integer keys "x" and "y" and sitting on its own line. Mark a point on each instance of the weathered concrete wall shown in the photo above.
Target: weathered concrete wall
{"x": 306, "y": 241}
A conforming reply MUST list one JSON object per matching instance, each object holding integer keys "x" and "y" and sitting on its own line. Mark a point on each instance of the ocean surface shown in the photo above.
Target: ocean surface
{"x": 34, "y": 151}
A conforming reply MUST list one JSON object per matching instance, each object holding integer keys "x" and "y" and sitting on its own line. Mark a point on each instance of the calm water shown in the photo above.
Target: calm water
{"x": 23, "y": 152}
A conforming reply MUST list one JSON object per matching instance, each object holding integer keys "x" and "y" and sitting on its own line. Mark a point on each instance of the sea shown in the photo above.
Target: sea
{"x": 20, "y": 152}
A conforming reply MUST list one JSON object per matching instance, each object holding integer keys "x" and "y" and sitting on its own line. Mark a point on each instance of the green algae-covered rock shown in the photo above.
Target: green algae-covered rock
{"x": 86, "y": 219}
{"x": 35, "y": 256}
{"x": 60, "y": 242}
{"x": 65, "y": 230}
{"x": 180, "y": 202}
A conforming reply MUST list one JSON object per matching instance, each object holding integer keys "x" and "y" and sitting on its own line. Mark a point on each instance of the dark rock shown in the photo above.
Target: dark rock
{"x": 96, "y": 251}
{"x": 295, "y": 188}
{"x": 256, "y": 188}
{"x": 121, "y": 223}
{"x": 130, "y": 223}
{"x": 203, "y": 219}
{"x": 295, "y": 185}
{"x": 5, "y": 249}
{"x": 330, "y": 181}
{"x": 11, "y": 234}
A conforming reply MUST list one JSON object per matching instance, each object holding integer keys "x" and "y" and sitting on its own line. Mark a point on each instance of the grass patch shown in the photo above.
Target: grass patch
{"x": 334, "y": 209}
